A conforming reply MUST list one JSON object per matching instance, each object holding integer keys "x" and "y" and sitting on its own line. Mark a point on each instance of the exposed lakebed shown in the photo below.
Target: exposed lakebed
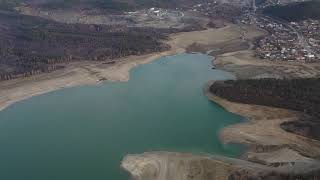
{"x": 84, "y": 132}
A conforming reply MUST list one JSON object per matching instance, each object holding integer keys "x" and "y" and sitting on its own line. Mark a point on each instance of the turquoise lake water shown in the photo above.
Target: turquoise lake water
{"x": 83, "y": 133}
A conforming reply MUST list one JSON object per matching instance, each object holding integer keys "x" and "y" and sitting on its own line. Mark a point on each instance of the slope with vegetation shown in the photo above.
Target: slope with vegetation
{"x": 296, "y": 11}
{"x": 31, "y": 45}
{"x": 295, "y": 94}
{"x": 105, "y": 5}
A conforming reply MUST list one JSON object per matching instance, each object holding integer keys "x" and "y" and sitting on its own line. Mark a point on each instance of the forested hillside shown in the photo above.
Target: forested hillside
{"x": 31, "y": 45}
{"x": 105, "y": 5}
{"x": 305, "y": 126}
{"x": 113, "y": 6}
{"x": 296, "y": 94}
{"x": 296, "y": 11}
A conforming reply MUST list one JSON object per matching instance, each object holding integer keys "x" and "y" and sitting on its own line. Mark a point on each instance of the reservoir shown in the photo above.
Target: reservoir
{"x": 82, "y": 133}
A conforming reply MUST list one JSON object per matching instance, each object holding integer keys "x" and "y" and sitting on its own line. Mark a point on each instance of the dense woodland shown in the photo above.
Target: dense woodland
{"x": 296, "y": 94}
{"x": 31, "y": 45}
{"x": 296, "y": 11}
{"x": 109, "y": 6}
{"x": 305, "y": 126}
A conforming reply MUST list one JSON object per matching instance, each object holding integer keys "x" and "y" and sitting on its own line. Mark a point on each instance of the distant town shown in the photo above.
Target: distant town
{"x": 296, "y": 41}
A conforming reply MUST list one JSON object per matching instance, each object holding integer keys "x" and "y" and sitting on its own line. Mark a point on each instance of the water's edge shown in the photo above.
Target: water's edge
{"x": 187, "y": 71}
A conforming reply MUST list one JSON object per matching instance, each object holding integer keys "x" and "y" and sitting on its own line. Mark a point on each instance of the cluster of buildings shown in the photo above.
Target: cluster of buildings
{"x": 310, "y": 29}
{"x": 163, "y": 13}
{"x": 157, "y": 13}
{"x": 216, "y": 10}
{"x": 268, "y": 3}
{"x": 204, "y": 8}
{"x": 297, "y": 42}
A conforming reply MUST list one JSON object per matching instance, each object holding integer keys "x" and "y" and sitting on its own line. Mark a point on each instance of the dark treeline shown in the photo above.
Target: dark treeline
{"x": 31, "y": 45}
{"x": 109, "y": 6}
{"x": 241, "y": 174}
{"x": 296, "y": 94}
{"x": 296, "y": 11}
{"x": 305, "y": 126}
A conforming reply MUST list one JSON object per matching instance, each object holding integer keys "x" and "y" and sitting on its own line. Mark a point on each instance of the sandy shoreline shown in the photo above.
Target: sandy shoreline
{"x": 263, "y": 132}
{"x": 272, "y": 154}
{"x": 272, "y": 151}
{"x": 268, "y": 142}
{"x": 84, "y": 73}
{"x": 87, "y": 73}
{"x": 263, "y": 128}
